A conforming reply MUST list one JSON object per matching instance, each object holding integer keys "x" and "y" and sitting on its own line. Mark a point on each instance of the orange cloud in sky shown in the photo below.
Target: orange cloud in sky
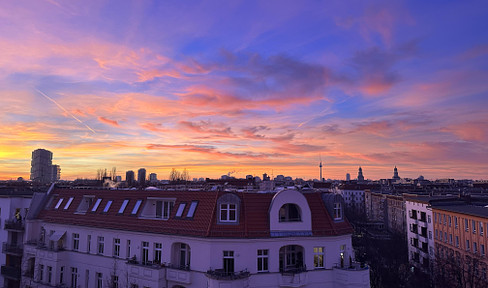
{"x": 108, "y": 121}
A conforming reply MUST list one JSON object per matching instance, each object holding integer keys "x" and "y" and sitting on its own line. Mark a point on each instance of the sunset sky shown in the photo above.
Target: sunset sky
{"x": 246, "y": 87}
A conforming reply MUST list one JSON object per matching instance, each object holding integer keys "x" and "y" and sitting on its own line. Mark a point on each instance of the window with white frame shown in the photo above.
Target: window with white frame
{"x": 99, "y": 278}
{"x": 115, "y": 281}
{"x": 145, "y": 252}
{"x": 228, "y": 262}
{"x": 481, "y": 228}
{"x": 76, "y": 241}
{"x": 318, "y": 257}
{"x": 100, "y": 244}
{"x": 158, "y": 251}
{"x": 473, "y": 225}
{"x": 466, "y": 227}
{"x": 337, "y": 211}
{"x": 116, "y": 247}
{"x": 263, "y": 260}
{"x": 40, "y": 272}
{"x": 49, "y": 274}
{"x": 74, "y": 277}
{"x": 228, "y": 212}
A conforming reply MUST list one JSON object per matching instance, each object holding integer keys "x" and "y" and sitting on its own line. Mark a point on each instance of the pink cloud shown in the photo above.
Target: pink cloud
{"x": 108, "y": 121}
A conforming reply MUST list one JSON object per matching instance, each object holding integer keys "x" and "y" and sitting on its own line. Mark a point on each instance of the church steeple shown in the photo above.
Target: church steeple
{"x": 395, "y": 173}
{"x": 360, "y": 175}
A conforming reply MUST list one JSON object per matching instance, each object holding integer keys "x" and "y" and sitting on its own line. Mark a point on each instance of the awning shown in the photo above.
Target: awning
{"x": 56, "y": 235}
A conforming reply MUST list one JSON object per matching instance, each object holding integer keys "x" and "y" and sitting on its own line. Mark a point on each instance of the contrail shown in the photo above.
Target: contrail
{"x": 321, "y": 114}
{"x": 62, "y": 108}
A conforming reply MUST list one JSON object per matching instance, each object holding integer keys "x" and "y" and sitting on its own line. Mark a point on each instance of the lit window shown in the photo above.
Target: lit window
{"x": 58, "y": 204}
{"x": 228, "y": 212}
{"x": 318, "y": 257}
{"x": 263, "y": 260}
{"x": 180, "y": 210}
{"x": 97, "y": 203}
{"x": 68, "y": 203}
{"x": 191, "y": 210}
{"x": 109, "y": 203}
{"x": 124, "y": 205}
{"x": 136, "y": 207}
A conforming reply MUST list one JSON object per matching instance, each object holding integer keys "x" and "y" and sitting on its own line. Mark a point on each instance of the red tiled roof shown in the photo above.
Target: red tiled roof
{"x": 253, "y": 217}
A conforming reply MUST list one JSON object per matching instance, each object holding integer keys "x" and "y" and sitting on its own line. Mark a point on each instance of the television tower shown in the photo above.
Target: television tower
{"x": 320, "y": 166}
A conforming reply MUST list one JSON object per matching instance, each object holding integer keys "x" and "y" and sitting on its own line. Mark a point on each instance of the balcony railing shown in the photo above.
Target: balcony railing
{"x": 148, "y": 264}
{"x": 354, "y": 266}
{"x": 14, "y": 225}
{"x": 295, "y": 270}
{"x": 221, "y": 274}
{"x": 12, "y": 249}
{"x": 11, "y": 272}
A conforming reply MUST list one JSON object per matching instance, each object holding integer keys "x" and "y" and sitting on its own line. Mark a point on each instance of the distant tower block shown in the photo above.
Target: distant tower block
{"x": 395, "y": 174}
{"x": 41, "y": 166}
{"x": 360, "y": 175}
{"x": 348, "y": 177}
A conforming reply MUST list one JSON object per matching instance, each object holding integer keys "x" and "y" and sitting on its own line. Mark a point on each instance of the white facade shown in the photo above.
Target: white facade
{"x": 90, "y": 257}
{"x": 420, "y": 233}
{"x": 354, "y": 199}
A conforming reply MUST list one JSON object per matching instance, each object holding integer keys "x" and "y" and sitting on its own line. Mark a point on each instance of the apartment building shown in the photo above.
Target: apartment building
{"x": 128, "y": 238}
{"x": 421, "y": 248}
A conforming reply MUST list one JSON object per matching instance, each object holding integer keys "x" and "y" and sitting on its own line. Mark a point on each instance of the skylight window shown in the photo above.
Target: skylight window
{"x": 136, "y": 207}
{"x": 68, "y": 203}
{"x": 58, "y": 204}
{"x": 105, "y": 210}
{"x": 191, "y": 210}
{"x": 124, "y": 205}
{"x": 95, "y": 207}
{"x": 181, "y": 208}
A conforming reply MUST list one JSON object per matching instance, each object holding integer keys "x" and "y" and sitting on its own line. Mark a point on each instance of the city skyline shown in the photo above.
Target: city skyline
{"x": 270, "y": 87}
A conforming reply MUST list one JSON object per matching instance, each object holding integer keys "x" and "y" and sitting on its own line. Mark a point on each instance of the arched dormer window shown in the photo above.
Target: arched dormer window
{"x": 290, "y": 212}
{"x": 228, "y": 209}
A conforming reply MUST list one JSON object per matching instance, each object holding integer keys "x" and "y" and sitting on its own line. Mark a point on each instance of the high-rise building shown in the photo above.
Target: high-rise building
{"x": 55, "y": 172}
{"x": 153, "y": 177}
{"x": 129, "y": 178}
{"x": 141, "y": 176}
{"x": 348, "y": 177}
{"x": 360, "y": 175}
{"x": 41, "y": 166}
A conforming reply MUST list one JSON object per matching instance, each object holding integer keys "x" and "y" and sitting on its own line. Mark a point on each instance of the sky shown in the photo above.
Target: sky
{"x": 246, "y": 87}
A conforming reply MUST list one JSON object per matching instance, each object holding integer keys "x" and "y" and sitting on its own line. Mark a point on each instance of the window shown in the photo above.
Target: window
{"x": 263, "y": 260}
{"x": 229, "y": 262}
{"x": 145, "y": 252}
{"x": 124, "y": 205}
{"x": 435, "y": 217}
{"x": 115, "y": 281}
{"x": 445, "y": 222}
{"x": 49, "y": 274}
{"x": 41, "y": 273}
{"x": 482, "y": 249}
{"x": 107, "y": 206}
{"x": 467, "y": 244}
{"x": 158, "y": 250}
{"x": 430, "y": 235}
{"x": 481, "y": 228}
{"x": 68, "y": 203}
{"x": 450, "y": 220}
{"x": 182, "y": 255}
{"x": 128, "y": 249}
{"x": 58, "y": 204}
{"x": 74, "y": 277}
{"x": 429, "y": 218}
{"x": 450, "y": 239}
{"x": 163, "y": 209}
{"x": 457, "y": 241}
{"x": 99, "y": 280}
{"x": 136, "y": 207}
{"x": 116, "y": 247}
{"x": 100, "y": 244}
{"x": 475, "y": 247}
{"x": 191, "y": 210}
{"x": 88, "y": 243}
{"x": 318, "y": 257}
{"x": 473, "y": 225}
{"x": 180, "y": 210}
{"x": 97, "y": 203}
{"x": 76, "y": 241}
{"x": 228, "y": 212}
{"x": 455, "y": 222}
{"x": 61, "y": 275}
{"x": 337, "y": 211}
{"x": 466, "y": 228}
{"x": 445, "y": 237}
{"x": 290, "y": 213}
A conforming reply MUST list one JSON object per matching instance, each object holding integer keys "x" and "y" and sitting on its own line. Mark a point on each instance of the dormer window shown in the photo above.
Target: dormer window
{"x": 228, "y": 206}
{"x": 228, "y": 213}
{"x": 290, "y": 213}
{"x": 85, "y": 204}
{"x": 337, "y": 211}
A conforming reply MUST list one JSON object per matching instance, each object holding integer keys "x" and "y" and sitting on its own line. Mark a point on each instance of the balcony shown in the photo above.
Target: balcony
{"x": 12, "y": 249}
{"x": 180, "y": 274}
{"x": 11, "y": 272}
{"x": 146, "y": 264}
{"x": 354, "y": 266}
{"x": 220, "y": 274}
{"x": 14, "y": 225}
{"x": 293, "y": 277}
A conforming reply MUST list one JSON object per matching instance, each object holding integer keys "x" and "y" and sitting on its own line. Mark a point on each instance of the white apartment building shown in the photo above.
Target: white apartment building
{"x": 353, "y": 198}
{"x": 13, "y": 209}
{"x": 175, "y": 239}
{"x": 420, "y": 232}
